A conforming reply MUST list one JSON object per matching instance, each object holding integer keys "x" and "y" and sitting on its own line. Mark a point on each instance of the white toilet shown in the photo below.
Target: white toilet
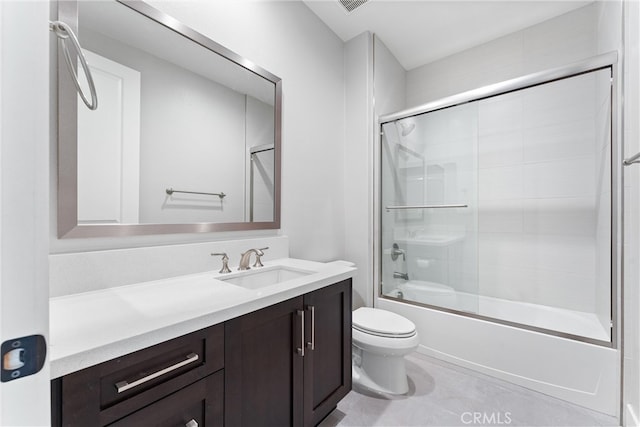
{"x": 380, "y": 341}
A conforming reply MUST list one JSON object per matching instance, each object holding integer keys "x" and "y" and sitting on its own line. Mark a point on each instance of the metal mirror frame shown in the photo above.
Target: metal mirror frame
{"x": 67, "y": 188}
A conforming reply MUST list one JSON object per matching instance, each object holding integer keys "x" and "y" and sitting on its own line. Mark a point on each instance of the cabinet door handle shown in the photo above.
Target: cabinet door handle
{"x": 312, "y": 344}
{"x": 300, "y": 350}
{"x": 192, "y": 423}
{"x": 123, "y": 386}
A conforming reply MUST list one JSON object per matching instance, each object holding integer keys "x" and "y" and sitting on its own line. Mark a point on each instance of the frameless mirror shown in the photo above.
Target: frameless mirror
{"x": 186, "y": 136}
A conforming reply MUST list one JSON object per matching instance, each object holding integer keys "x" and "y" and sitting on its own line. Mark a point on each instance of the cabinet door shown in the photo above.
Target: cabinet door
{"x": 327, "y": 362}
{"x": 199, "y": 404}
{"x": 263, "y": 369}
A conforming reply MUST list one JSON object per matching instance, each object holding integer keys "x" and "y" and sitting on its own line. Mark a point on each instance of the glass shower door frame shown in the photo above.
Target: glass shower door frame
{"x": 605, "y": 61}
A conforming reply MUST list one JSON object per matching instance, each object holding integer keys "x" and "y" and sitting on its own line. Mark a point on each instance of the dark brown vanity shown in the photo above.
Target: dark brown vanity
{"x": 285, "y": 364}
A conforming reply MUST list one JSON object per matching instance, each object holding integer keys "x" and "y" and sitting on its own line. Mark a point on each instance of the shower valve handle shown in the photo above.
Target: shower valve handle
{"x": 396, "y": 252}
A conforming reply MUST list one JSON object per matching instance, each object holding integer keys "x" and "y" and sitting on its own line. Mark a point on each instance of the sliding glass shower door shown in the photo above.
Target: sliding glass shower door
{"x": 429, "y": 207}
{"x": 501, "y": 207}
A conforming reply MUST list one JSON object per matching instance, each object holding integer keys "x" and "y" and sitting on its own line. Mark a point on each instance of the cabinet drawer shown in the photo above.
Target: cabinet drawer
{"x": 200, "y": 404}
{"x": 104, "y": 393}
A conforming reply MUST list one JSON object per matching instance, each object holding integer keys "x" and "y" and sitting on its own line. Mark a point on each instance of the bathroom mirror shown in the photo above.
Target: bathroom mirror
{"x": 186, "y": 136}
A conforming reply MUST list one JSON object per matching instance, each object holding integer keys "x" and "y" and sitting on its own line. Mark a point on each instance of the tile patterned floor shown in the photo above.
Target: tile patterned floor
{"x": 442, "y": 394}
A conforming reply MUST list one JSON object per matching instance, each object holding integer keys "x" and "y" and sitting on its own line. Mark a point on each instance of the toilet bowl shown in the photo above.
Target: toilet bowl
{"x": 381, "y": 339}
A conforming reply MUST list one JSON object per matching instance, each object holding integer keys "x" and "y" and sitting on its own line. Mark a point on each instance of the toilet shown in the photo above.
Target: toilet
{"x": 381, "y": 339}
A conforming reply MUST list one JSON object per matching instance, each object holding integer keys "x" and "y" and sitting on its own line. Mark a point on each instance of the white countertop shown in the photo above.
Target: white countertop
{"x": 93, "y": 327}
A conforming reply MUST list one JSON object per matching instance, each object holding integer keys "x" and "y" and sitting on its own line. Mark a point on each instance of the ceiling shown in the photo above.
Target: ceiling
{"x": 421, "y": 31}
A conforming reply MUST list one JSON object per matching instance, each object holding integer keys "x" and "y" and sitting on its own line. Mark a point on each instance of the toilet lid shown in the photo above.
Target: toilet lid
{"x": 382, "y": 323}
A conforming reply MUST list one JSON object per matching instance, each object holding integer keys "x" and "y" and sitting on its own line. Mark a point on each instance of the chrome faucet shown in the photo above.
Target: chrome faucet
{"x": 398, "y": 275}
{"x": 245, "y": 258}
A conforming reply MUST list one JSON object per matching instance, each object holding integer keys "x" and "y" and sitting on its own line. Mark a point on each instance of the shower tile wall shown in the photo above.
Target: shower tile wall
{"x": 539, "y": 202}
{"x": 511, "y": 161}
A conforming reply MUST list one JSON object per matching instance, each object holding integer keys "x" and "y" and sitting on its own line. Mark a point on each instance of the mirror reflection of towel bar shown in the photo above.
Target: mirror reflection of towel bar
{"x": 170, "y": 191}
{"x": 261, "y": 148}
{"x": 631, "y": 160}
{"x": 425, "y": 207}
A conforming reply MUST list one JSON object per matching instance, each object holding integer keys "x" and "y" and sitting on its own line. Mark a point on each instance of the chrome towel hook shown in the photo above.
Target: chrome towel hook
{"x": 64, "y": 33}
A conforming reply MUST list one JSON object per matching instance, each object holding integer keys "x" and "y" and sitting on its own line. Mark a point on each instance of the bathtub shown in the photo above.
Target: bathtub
{"x": 579, "y": 372}
{"x": 539, "y": 316}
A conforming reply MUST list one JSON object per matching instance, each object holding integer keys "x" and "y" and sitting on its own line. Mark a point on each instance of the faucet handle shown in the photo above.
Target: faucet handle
{"x": 396, "y": 251}
{"x": 225, "y": 262}
{"x": 259, "y": 253}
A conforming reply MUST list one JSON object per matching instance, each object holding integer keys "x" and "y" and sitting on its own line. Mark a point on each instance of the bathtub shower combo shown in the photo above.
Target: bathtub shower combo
{"x": 499, "y": 206}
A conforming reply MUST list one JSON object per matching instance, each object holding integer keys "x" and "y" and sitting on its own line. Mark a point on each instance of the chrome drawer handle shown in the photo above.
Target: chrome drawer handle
{"x": 192, "y": 423}
{"x": 300, "y": 350}
{"x": 312, "y": 344}
{"x": 123, "y": 386}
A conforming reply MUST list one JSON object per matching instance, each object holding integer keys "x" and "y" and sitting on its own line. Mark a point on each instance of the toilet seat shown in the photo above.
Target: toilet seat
{"x": 382, "y": 323}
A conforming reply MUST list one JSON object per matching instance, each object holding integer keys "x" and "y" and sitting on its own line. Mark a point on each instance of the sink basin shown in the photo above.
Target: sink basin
{"x": 266, "y": 276}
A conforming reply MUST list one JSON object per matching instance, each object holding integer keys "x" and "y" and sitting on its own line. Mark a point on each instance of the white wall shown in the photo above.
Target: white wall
{"x": 631, "y": 303}
{"x": 556, "y": 42}
{"x": 390, "y": 81}
{"x": 358, "y": 173}
{"x": 287, "y": 39}
{"x": 24, "y": 152}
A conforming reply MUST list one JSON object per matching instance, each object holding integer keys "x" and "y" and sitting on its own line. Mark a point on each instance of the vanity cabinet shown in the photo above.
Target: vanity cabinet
{"x": 263, "y": 379}
{"x": 327, "y": 364}
{"x": 289, "y": 364}
{"x": 178, "y": 382}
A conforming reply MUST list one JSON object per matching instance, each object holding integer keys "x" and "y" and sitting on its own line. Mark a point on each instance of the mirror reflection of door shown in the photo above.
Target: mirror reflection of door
{"x": 109, "y": 146}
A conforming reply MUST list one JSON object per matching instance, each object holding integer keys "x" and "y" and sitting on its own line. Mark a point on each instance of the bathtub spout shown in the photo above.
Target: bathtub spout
{"x": 398, "y": 275}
